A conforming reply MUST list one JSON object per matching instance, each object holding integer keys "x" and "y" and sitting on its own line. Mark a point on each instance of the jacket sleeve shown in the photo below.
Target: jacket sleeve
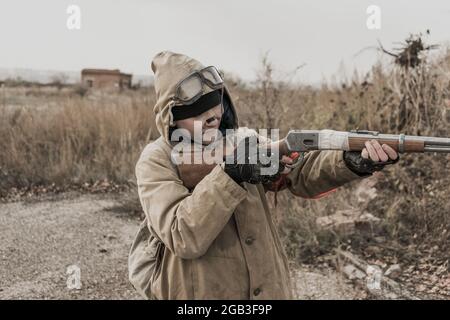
{"x": 187, "y": 223}
{"x": 320, "y": 172}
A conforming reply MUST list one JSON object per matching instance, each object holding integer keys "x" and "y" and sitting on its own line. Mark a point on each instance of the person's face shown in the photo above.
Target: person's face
{"x": 208, "y": 120}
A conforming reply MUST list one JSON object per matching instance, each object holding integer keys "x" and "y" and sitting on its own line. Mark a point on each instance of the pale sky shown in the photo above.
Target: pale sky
{"x": 231, "y": 34}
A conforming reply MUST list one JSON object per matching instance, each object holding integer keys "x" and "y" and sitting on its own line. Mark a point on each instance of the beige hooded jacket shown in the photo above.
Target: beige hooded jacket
{"x": 218, "y": 241}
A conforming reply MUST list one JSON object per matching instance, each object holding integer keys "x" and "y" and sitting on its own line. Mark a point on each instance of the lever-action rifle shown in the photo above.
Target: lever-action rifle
{"x": 302, "y": 141}
{"x": 309, "y": 140}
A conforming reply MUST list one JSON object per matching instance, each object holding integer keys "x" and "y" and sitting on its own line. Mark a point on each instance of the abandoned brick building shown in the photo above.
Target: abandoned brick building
{"x": 102, "y": 78}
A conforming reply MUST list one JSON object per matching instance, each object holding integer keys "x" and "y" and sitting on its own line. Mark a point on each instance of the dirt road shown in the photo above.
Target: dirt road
{"x": 40, "y": 240}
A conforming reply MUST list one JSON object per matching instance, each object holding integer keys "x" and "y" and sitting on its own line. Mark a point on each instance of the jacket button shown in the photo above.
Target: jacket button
{"x": 257, "y": 291}
{"x": 249, "y": 240}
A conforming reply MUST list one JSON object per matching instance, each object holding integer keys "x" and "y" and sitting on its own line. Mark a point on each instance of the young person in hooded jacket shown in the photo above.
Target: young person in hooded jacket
{"x": 218, "y": 240}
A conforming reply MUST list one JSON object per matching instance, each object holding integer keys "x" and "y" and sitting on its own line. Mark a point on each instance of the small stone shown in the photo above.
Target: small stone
{"x": 111, "y": 237}
{"x": 353, "y": 273}
{"x": 380, "y": 239}
{"x": 393, "y": 271}
{"x": 421, "y": 288}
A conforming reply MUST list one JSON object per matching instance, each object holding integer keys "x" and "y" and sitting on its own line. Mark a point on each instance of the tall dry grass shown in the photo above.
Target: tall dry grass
{"x": 53, "y": 136}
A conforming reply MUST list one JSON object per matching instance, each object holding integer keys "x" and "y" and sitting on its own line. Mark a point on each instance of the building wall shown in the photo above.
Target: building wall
{"x": 105, "y": 80}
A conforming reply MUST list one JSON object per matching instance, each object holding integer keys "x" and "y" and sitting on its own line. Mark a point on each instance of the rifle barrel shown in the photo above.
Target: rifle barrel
{"x": 307, "y": 140}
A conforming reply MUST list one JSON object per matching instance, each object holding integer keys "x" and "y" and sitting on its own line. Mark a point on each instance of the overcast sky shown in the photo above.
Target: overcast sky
{"x": 231, "y": 34}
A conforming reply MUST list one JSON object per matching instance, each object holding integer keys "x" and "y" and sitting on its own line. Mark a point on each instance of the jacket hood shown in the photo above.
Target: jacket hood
{"x": 169, "y": 69}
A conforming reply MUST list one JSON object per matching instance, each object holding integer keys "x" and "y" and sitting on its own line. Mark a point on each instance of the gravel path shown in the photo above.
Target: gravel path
{"x": 40, "y": 240}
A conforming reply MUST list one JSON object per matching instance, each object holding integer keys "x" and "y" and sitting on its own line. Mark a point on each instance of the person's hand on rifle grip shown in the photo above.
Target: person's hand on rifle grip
{"x": 247, "y": 167}
{"x": 374, "y": 157}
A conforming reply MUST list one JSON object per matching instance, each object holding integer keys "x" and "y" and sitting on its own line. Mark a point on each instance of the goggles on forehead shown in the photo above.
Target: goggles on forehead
{"x": 190, "y": 89}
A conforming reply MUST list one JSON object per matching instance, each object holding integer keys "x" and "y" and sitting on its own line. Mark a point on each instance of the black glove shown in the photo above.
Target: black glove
{"x": 241, "y": 167}
{"x": 362, "y": 166}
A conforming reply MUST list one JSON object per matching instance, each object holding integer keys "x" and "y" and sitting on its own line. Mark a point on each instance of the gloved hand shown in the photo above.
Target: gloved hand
{"x": 373, "y": 157}
{"x": 246, "y": 166}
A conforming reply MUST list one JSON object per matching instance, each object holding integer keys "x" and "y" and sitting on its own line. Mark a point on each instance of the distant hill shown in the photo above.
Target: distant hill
{"x": 48, "y": 76}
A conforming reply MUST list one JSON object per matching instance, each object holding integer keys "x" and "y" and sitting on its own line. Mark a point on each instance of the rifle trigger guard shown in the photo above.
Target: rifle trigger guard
{"x": 297, "y": 162}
